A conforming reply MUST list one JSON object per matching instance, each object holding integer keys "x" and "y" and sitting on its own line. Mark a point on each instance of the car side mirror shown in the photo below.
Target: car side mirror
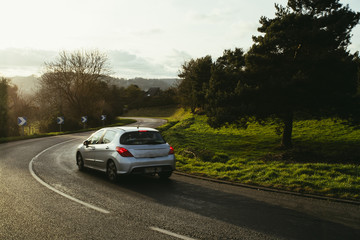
{"x": 86, "y": 143}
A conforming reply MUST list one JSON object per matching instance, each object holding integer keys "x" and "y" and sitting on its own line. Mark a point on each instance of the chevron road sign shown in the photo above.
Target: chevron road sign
{"x": 84, "y": 119}
{"x": 60, "y": 120}
{"x": 103, "y": 118}
{"x": 22, "y": 121}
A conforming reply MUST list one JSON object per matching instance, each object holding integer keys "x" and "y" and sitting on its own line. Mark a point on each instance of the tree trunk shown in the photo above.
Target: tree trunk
{"x": 288, "y": 126}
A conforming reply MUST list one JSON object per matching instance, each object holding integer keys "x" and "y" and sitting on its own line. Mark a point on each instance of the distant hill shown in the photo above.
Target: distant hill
{"x": 29, "y": 84}
{"x": 26, "y": 85}
{"x": 143, "y": 83}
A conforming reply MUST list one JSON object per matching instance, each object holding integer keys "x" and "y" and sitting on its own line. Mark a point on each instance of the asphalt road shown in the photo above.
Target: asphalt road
{"x": 44, "y": 196}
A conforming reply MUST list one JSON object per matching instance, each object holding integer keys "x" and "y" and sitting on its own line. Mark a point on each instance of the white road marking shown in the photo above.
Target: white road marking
{"x": 57, "y": 191}
{"x": 171, "y": 233}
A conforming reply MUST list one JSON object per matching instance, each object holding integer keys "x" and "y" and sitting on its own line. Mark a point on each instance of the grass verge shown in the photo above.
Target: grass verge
{"x": 325, "y": 159}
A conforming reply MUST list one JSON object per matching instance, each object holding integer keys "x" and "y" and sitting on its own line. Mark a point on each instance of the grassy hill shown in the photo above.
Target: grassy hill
{"x": 325, "y": 159}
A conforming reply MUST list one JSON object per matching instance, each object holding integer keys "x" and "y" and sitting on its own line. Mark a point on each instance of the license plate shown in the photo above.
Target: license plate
{"x": 153, "y": 170}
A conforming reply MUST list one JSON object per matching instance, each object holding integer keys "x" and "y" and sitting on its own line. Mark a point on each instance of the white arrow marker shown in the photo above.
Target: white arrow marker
{"x": 84, "y": 119}
{"x": 60, "y": 120}
{"x": 22, "y": 121}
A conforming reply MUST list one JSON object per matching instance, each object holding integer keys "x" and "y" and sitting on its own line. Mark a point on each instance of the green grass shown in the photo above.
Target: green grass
{"x": 325, "y": 158}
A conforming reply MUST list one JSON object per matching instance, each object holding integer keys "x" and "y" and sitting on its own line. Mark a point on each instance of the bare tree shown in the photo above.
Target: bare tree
{"x": 74, "y": 85}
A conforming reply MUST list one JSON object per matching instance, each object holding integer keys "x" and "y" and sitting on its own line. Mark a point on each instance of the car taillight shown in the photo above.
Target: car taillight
{"x": 124, "y": 152}
{"x": 171, "y": 150}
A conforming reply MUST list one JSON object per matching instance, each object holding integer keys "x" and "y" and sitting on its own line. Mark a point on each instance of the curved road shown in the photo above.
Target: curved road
{"x": 44, "y": 196}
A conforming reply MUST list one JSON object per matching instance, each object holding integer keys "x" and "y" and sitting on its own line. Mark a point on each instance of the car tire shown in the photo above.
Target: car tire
{"x": 80, "y": 162}
{"x": 164, "y": 175}
{"x": 111, "y": 171}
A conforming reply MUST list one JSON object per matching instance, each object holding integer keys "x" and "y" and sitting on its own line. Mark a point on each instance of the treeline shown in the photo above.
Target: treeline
{"x": 74, "y": 85}
{"x": 299, "y": 65}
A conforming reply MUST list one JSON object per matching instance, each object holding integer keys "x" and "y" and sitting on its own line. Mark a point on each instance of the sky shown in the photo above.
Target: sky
{"x": 142, "y": 38}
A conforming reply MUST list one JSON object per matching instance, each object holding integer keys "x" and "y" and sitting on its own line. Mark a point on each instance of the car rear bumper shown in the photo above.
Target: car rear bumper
{"x": 146, "y": 165}
{"x": 152, "y": 170}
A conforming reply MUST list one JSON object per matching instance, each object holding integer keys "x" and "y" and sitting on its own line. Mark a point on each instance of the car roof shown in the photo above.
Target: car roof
{"x": 131, "y": 129}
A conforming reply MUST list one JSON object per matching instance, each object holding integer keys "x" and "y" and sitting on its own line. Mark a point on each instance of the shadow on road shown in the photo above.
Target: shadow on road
{"x": 234, "y": 208}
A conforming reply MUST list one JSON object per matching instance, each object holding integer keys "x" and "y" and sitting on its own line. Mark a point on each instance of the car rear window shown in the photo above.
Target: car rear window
{"x": 141, "y": 138}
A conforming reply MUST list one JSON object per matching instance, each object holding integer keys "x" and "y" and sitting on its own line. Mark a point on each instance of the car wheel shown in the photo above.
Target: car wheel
{"x": 80, "y": 161}
{"x": 111, "y": 171}
{"x": 164, "y": 175}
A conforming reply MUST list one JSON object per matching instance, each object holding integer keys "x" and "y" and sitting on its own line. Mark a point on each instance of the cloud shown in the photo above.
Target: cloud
{"x": 16, "y": 61}
{"x": 129, "y": 65}
{"x": 123, "y": 64}
{"x": 24, "y": 57}
{"x": 149, "y": 32}
{"x": 175, "y": 59}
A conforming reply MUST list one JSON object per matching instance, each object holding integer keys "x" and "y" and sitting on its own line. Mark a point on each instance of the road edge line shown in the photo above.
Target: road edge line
{"x": 88, "y": 205}
{"x": 163, "y": 231}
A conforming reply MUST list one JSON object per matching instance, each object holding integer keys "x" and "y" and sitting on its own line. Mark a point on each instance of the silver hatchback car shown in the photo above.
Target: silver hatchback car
{"x": 126, "y": 150}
